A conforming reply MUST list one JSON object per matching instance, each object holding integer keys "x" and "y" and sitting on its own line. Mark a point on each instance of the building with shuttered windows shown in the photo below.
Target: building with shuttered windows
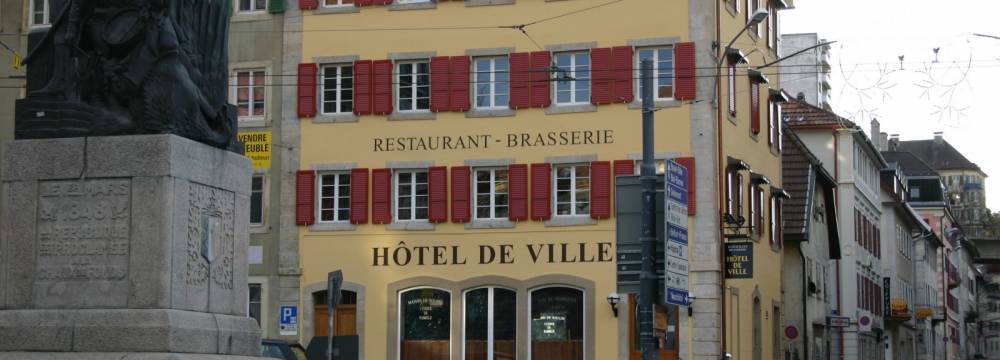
{"x": 458, "y": 162}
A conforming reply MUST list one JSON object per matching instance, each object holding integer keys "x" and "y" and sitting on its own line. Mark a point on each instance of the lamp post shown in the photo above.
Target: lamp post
{"x": 755, "y": 19}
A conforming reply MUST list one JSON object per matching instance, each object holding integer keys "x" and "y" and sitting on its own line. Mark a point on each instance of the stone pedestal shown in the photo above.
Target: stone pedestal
{"x": 124, "y": 247}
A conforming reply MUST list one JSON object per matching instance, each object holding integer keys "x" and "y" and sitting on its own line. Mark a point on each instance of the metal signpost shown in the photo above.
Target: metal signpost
{"x": 334, "y": 281}
{"x": 676, "y": 246}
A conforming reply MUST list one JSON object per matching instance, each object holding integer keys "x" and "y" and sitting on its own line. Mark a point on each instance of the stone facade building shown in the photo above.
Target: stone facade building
{"x": 812, "y": 241}
{"x": 855, "y": 163}
{"x": 807, "y": 75}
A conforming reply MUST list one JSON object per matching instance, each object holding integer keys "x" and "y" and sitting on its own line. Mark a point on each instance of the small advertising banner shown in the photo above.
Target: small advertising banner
{"x": 257, "y": 147}
{"x": 925, "y": 312}
{"x": 899, "y": 309}
{"x": 739, "y": 260}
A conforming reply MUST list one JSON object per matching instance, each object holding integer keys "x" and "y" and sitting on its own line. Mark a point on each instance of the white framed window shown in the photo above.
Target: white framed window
{"x": 411, "y": 195}
{"x": 557, "y": 323}
{"x": 663, "y": 70}
{"x": 572, "y": 195}
{"x": 413, "y": 86}
{"x": 336, "y": 3}
{"x": 491, "y": 193}
{"x": 492, "y": 82}
{"x": 257, "y": 200}
{"x": 39, "y": 13}
{"x": 337, "y": 89}
{"x": 731, "y": 88}
{"x": 254, "y": 300}
{"x": 334, "y": 194}
{"x": 489, "y": 324}
{"x": 424, "y": 324}
{"x": 251, "y": 5}
{"x": 573, "y": 74}
{"x": 250, "y": 94}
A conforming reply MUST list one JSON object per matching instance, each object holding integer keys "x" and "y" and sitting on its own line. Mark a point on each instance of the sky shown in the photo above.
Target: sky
{"x": 959, "y": 94}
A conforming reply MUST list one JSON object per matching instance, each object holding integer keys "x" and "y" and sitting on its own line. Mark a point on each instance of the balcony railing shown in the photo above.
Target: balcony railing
{"x": 954, "y": 280}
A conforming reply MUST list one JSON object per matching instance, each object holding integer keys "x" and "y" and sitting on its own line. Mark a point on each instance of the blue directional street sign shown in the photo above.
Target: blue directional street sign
{"x": 678, "y": 194}
{"x": 676, "y": 264}
{"x": 677, "y": 175}
{"x": 677, "y": 297}
{"x": 677, "y": 234}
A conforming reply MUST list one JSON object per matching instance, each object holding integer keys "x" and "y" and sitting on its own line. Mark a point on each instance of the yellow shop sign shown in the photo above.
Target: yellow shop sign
{"x": 925, "y": 312}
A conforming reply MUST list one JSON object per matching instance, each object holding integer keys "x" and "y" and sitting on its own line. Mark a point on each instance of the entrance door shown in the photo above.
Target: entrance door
{"x": 347, "y": 315}
{"x": 664, "y": 325}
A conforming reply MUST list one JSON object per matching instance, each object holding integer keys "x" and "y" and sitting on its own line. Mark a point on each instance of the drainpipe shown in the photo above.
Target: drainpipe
{"x": 805, "y": 302}
{"x": 836, "y": 176}
{"x": 721, "y": 175}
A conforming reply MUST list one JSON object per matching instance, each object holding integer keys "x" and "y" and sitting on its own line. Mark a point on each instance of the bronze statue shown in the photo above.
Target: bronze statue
{"x": 114, "y": 67}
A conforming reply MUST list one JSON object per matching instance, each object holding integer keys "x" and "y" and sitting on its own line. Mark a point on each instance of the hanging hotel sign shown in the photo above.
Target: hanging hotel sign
{"x": 257, "y": 147}
{"x": 739, "y": 260}
{"x": 493, "y": 141}
{"x": 676, "y": 256}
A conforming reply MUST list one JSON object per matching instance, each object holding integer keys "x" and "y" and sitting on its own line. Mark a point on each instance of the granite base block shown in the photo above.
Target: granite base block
{"x": 118, "y": 356}
{"x": 128, "y": 330}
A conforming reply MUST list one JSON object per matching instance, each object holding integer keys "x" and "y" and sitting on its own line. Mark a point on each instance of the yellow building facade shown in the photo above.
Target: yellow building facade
{"x": 458, "y": 159}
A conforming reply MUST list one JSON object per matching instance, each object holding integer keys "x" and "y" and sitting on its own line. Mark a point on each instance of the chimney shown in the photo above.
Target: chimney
{"x": 883, "y": 141}
{"x": 893, "y": 142}
{"x": 875, "y": 133}
{"x": 938, "y": 137}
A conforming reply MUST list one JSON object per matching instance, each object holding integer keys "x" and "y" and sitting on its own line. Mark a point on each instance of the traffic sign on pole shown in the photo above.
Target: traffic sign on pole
{"x": 676, "y": 245}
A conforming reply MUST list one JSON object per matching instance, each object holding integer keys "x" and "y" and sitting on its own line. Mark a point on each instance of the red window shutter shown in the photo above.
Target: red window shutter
{"x": 518, "y": 190}
{"x": 305, "y": 197}
{"x": 363, "y": 87}
{"x": 460, "y": 67}
{"x": 382, "y": 87}
{"x": 540, "y": 85}
{"x": 688, "y": 162}
{"x": 600, "y": 190}
{"x": 519, "y": 81}
{"x": 359, "y": 196}
{"x": 307, "y": 90}
{"x": 381, "y": 196}
{"x": 437, "y": 197}
{"x": 754, "y": 107}
{"x": 624, "y": 167}
{"x": 684, "y": 62}
{"x": 601, "y": 79}
{"x": 541, "y": 191}
{"x": 621, "y": 64}
{"x": 308, "y": 4}
{"x": 440, "y": 83}
{"x": 461, "y": 208}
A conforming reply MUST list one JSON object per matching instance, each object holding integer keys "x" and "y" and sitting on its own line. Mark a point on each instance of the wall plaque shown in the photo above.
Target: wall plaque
{"x": 83, "y": 231}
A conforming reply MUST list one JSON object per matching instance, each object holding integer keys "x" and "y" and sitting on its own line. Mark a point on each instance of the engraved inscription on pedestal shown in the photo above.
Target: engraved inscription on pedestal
{"x": 211, "y": 236}
{"x": 83, "y": 242}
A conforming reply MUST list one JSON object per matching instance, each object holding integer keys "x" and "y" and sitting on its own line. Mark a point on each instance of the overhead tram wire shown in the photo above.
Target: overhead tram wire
{"x": 439, "y": 28}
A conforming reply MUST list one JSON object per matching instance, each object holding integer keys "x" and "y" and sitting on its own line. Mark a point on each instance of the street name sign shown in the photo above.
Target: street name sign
{"x": 676, "y": 244}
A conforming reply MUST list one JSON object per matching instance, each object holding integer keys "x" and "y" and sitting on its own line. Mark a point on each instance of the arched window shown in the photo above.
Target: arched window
{"x": 424, "y": 324}
{"x": 557, "y": 323}
{"x": 490, "y": 324}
